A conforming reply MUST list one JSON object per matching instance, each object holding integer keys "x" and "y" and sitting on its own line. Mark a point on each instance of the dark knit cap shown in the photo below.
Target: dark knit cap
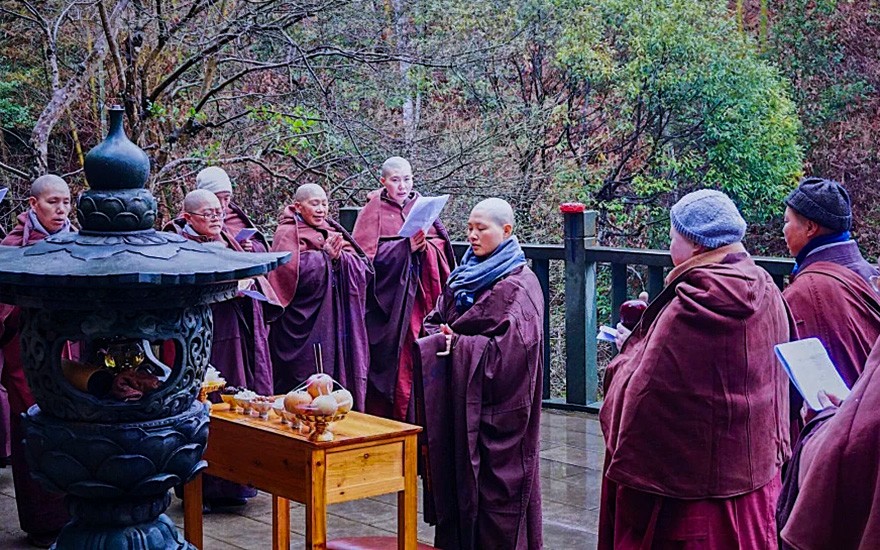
{"x": 708, "y": 218}
{"x": 825, "y": 202}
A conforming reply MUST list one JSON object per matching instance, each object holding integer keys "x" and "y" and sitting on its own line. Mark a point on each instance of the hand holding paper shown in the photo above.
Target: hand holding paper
{"x": 811, "y": 370}
{"x": 423, "y": 214}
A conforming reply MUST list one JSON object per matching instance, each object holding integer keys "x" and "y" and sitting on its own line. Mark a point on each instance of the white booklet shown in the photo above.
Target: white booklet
{"x": 811, "y": 370}
{"x": 422, "y": 215}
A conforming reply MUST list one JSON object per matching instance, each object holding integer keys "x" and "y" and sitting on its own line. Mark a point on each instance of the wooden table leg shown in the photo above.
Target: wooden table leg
{"x": 407, "y": 500}
{"x": 280, "y": 523}
{"x": 316, "y": 505}
{"x": 193, "y": 530}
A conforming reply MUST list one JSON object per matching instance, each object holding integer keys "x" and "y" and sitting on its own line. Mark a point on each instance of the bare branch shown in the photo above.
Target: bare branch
{"x": 23, "y": 175}
{"x": 110, "y": 37}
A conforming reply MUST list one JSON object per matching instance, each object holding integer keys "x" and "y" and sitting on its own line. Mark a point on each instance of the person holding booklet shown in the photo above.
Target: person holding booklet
{"x": 410, "y": 274}
{"x": 240, "y": 348}
{"x": 235, "y": 221}
{"x": 695, "y": 417}
{"x": 832, "y": 488}
{"x": 829, "y": 295}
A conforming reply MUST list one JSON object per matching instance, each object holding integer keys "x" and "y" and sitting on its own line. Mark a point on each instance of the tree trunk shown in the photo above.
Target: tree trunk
{"x": 65, "y": 95}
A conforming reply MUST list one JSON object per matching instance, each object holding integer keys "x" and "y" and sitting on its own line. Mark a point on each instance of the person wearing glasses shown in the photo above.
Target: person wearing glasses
{"x": 830, "y": 295}
{"x": 240, "y": 345}
{"x": 235, "y": 221}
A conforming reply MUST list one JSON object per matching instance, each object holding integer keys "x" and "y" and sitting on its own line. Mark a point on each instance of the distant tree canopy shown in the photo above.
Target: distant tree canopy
{"x": 624, "y": 104}
{"x": 687, "y": 103}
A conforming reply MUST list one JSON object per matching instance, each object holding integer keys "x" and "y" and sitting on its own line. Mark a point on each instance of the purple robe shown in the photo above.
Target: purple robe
{"x": 406, "y": 287}
{"x": 240, "y": 352}
{"x": 481, "y": 408}
{"x": 39, "y": 511}
{"x": 832, "y": 492}
{"x": 326, "y": 306}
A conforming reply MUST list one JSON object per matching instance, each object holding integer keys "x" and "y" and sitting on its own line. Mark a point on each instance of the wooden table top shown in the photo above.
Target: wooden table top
{"x": 354, "y": 428}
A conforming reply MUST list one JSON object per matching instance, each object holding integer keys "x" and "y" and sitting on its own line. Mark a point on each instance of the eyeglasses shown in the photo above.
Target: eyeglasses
{"x": 208, "y": 215}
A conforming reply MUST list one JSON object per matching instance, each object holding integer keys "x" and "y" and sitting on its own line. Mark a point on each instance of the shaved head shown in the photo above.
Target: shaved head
{"x": 48, "y": 183}
{"x": 395, "y": 164}
{"x": 200, "y": 198}
{"x": 308, "y": 191}
{"x": 497, "y": 210}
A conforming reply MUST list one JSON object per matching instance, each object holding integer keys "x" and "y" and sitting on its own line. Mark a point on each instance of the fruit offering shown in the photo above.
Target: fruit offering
{"x": 631, "y": 312}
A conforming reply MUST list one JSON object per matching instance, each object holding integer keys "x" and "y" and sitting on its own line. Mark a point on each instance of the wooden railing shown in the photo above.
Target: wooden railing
{"x": 580, "y": 257}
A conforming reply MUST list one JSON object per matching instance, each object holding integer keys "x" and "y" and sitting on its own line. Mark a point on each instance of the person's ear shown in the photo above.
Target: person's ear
{"x": 508, "y": 230}
{"x": 813, "y": 229}
{"x": 297, "y": 207}
{"x": 187, "y": 217}
{"x": 32, "y": 202}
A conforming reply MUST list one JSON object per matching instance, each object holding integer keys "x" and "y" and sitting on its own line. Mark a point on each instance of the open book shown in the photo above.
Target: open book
{"x": 811, "y": 370}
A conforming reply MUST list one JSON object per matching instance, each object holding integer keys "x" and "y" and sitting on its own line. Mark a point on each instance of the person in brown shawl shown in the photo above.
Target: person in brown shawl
{"x": 409, "y": 275}
{"x": 479, "y": 385}
{"x": 832, "y": 488}
{"x": 695, "y": 417}
{"x": 323, "y": 290}
{"x": 40, "y": 513}
{"x": 240, "y": 347}
{"x": 829, "y": 295}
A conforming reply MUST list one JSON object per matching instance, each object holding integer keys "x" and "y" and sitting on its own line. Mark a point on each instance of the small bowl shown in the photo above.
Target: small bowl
{"x": 229, "y": 399}
{"x": 243, "y": 404}
{"x": 290, "y": 418}
{"x": 262, "y": 407}
{"x": 278, "y": 409}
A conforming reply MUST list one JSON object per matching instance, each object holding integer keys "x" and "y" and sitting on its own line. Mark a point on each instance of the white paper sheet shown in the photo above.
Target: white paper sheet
{"x": 606, "y": 334}
{"x": 245, "y": 234}
{"x": 422, "y": 215}
{"x": 811, "y": 370}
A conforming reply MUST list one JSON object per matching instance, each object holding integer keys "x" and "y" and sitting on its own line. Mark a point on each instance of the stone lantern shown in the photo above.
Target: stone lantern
{"x": 118, "y": 294}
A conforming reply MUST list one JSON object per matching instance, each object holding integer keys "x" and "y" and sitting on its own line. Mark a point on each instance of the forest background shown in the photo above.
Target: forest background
{"x": 624, "y": 105}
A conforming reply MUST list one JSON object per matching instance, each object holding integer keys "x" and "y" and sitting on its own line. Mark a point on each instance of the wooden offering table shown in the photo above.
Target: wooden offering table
{"x": 369, "y": 456}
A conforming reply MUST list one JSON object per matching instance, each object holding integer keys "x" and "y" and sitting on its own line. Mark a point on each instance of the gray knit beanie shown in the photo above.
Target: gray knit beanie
{"x": 708, "y": 218}
{"x": 825, "y": 202}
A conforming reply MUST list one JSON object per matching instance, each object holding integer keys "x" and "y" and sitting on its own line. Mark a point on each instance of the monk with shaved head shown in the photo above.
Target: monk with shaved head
{"x": 410, "y": 275}
{"x": 240, "y": 346}
{"x": 478, "y": 393}
{"x": 323, "y": 290}
{"x": 40, "y": 513}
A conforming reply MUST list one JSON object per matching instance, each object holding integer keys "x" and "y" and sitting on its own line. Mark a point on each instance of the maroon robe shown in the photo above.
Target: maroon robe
{"x": 240, "y": 352}
{"x": 695, "y": 417}
{"x": 481, "y": 409}
{"x": 838, "y": 474}
{"x": 836, "y": 305}
{"x": 324, "y": 303}
{"x": 39, "y": 511}
{"x": 406, "y": 288}
{"x": 235, "y": 221}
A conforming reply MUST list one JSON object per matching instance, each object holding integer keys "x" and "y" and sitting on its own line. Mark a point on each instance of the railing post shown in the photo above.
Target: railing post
{"x": 542, "y": 272}
{"x": 619, "y": 290}
{"x": 581, "y": 377}
{"x": 347, "y": 216}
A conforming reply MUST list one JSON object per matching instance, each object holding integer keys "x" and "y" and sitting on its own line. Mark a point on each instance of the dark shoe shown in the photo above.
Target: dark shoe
{"x": 225, "y": 502}
{"x": 42, "y": 540}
